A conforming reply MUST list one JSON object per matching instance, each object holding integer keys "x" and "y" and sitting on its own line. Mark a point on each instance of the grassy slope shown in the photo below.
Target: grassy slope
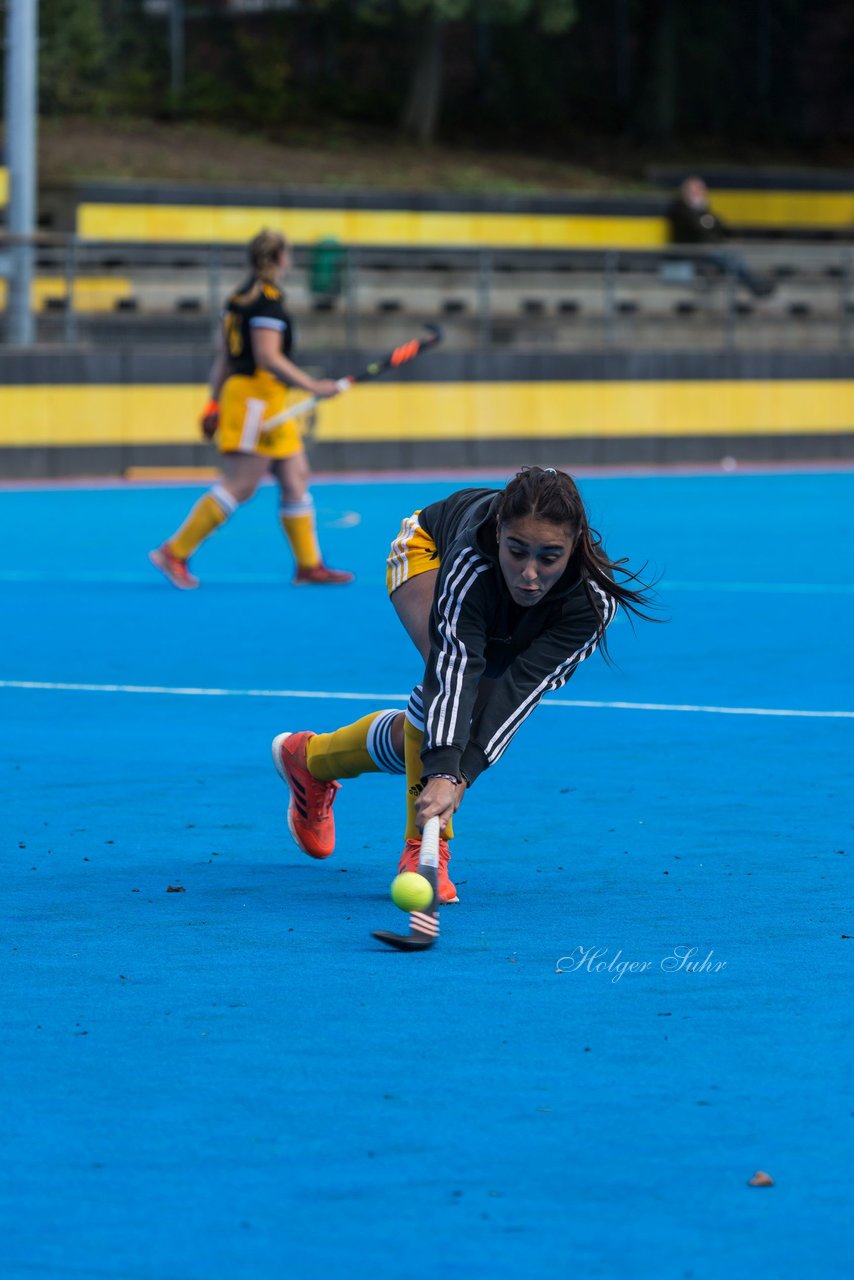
{"x": 75, "y": 149}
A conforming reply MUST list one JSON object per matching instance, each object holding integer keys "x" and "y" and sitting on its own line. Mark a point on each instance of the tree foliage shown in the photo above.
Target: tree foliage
{"x": 73, "y": 55}
{"x": 554, "y": 71}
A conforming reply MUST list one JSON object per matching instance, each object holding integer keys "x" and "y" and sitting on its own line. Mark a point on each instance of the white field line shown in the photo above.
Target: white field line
{"x": 752, "y": 588}
{"x": 324, "y": 695}
{"x": 133, "y": 577}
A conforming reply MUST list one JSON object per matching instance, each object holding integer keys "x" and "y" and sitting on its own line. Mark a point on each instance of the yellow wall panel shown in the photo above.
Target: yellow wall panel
{"x": 66, "y": 415}
{"x": 786, "y": 208}
{"x": 63, "y": 415}
{"x": 229, "y": 225}
{"x": 91, "y": 293}
{"x": 596, "y": 409}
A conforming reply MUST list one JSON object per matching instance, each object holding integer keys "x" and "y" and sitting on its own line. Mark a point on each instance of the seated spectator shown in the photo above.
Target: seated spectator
{"x": 692, "y": 221}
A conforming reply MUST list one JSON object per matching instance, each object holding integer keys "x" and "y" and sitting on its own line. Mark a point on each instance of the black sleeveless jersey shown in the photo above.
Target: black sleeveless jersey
{"x": 257, "y": 304}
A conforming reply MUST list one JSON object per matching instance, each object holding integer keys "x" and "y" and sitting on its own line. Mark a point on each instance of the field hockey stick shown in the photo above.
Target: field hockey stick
{"x": 399, "y": 356}
{"x": 423, "y": 925}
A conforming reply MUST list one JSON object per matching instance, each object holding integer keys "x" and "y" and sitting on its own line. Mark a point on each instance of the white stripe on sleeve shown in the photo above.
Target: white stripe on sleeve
{"x": 500, "y": 740}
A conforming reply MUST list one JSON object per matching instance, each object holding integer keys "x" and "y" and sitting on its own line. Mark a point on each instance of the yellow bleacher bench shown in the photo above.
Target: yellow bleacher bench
{"x": 90, "y": 293}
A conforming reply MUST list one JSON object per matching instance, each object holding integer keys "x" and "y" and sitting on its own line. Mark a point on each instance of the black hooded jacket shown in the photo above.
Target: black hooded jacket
{"x": 477, "y": 630}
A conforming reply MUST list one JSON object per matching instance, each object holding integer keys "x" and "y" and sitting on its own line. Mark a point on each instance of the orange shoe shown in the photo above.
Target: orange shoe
{"x": 173, "y": 568}
{"x": 319, "y": 576}
{"x": 409, "y": 862}
{"x": 310, "y": 819}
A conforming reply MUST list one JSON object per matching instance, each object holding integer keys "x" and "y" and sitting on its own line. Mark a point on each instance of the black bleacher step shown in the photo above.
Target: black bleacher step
{"x": 126, "y": 304}
{"x": 188, "y": 304}
{"x": 743, "y": 308}
{"x": 568, "y": 307}
{"x": 454, "y": 306}
{"x": 626, "y": 307}
{"x": 55, "y": 304}
{"x": 799, "y": 310}
{"x": 686, "y": 308}
{"x": 532, "y": 306}
{"x": 389, "y": 305}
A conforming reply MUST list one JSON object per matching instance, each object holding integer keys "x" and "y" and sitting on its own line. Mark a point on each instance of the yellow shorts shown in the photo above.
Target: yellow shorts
{"x": 245, "y": 404}
{"x": 412, "y": 552}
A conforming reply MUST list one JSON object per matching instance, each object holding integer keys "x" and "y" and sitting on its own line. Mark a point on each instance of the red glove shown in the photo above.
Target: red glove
{"x": 209, "y": 420}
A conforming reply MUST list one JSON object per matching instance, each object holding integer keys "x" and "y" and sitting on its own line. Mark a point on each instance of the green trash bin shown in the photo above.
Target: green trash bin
{"x": 326, "y": 268}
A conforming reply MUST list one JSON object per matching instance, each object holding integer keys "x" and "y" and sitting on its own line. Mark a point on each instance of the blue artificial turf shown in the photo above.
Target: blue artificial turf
{"x": 235, "y": 1081}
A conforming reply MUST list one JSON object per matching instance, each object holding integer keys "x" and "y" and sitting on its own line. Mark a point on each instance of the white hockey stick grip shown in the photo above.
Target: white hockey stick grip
{"x": 430, "y": 843}
{"x": 294, "y": 410}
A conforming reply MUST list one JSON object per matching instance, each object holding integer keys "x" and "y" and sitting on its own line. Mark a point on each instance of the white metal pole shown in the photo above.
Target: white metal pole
{"x": 21, "y": 107}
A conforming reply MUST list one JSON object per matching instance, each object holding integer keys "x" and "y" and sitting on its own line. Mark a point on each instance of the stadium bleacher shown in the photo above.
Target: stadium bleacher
{"x": 532, "y": 294}
{"x": 496, "y": 267}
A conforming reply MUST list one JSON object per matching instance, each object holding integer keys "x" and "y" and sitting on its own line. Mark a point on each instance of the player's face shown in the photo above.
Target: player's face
{"x": 533, "y": 554}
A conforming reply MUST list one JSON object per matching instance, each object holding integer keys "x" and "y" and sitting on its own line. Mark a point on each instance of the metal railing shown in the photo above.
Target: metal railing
{"x": 545, "y": 300}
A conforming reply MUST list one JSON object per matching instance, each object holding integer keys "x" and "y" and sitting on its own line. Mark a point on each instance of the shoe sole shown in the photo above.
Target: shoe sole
{"x": 279, "y": 764}
{"x": 159, "y": 563}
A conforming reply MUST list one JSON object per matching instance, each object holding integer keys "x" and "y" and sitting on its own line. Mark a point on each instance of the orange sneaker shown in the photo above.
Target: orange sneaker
{"x": 310, "y": 819}
{"x": 173, "y": 568}
{"x": 320, "y": 576}
{"x": 409, "y": 862}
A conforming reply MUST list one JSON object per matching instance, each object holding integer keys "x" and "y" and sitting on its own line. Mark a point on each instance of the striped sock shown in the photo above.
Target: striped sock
{"x": 363, "y": 747}
{"x": 381, "y": 746}
{"x": 299, "y": 527}
{"x": 211, "y": 510}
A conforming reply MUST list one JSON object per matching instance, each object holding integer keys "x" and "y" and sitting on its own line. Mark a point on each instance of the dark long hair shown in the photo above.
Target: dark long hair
{"x": 552, "y": 495}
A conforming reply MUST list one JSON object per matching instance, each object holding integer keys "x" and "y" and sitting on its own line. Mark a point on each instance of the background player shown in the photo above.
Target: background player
{"x": 249, "y": 383}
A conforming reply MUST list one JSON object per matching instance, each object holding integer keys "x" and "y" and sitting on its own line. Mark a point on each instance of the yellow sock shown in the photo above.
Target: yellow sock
{"x": 412, "y": 741}
{"x": 205, "y": 516}
{"x": 342, "y": 754}
{"x": 298, "y": 524}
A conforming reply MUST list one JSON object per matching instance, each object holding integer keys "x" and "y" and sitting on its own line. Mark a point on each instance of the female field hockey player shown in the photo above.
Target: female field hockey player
{"x": 250, "y": 380}
{"x": 504, "y": 593}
